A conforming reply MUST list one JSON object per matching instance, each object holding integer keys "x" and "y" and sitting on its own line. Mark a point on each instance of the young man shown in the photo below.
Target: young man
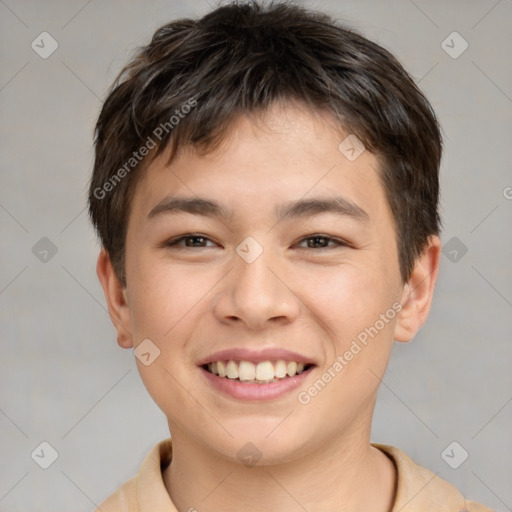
{"x": 266, "y": 193}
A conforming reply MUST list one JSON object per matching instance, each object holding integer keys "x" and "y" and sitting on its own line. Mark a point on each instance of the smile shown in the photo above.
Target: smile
{"x": 263, "y": 372}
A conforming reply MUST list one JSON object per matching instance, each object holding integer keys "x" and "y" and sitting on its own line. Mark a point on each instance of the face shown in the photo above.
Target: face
{"x": 274, "y": 249}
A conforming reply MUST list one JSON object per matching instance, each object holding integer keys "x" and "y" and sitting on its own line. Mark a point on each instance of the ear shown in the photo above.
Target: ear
{"x": 115, "y": 293}
{"x": 418, "y": 292}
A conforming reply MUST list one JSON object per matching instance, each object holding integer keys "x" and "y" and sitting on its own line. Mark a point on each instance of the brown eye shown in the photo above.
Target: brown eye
{"x": 194, "y": 241}
{"x": 317, "y": 241}
{"x": 320, "y": 242}
{"x": 190, "y": 241}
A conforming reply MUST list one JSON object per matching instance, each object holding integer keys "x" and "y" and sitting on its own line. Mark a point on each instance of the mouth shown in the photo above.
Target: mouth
{"x": 263, "y": 372}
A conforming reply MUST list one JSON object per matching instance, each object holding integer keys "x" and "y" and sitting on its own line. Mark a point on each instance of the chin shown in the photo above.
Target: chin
{"x": 254, "y": 444}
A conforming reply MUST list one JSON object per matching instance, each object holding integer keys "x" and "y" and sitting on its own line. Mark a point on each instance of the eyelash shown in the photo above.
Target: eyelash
{"x": 175, "y": 242}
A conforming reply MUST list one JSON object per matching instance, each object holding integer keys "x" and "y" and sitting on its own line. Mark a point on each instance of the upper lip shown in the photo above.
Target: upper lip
{"x": 255, "y": 356}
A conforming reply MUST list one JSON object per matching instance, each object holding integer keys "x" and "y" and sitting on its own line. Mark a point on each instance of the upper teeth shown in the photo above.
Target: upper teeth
{"x": 265, "y": 371}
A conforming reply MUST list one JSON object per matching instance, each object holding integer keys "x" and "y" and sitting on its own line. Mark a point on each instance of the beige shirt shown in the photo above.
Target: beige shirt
{"x": 418, "y": 489}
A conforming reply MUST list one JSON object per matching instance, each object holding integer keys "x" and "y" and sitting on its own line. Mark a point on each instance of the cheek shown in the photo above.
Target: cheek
{"x": 349, "y": 306}
{"x": 166, "y": 302}
{"x": 347, "y": 300}
{"x": 165, "y": 296}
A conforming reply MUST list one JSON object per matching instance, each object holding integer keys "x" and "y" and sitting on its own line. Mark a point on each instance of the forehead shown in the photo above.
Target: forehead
{"x": 263, "y": 163}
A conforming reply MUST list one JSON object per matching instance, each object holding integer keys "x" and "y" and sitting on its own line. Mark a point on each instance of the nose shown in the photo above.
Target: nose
{"x": 256, "y": 294}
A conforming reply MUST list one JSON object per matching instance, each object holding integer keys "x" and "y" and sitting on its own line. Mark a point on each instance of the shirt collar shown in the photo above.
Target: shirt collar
{"x": 417, "y": 489}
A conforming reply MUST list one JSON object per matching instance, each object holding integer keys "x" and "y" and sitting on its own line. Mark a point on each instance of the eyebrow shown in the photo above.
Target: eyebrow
{"x": 337, "y": 205}
{"x": 193, "y": 205}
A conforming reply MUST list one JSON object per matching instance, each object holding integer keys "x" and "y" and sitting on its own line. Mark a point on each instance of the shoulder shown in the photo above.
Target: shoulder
{"x": 473, "y": 506}
{"x": 123, "y": 500}
{"x": 420, "y": 490}
{"x": 146, "y": 490}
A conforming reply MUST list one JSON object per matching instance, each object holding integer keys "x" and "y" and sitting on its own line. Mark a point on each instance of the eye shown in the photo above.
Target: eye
{"x": 190, "y": 240}
{"x": 321, "y": 242}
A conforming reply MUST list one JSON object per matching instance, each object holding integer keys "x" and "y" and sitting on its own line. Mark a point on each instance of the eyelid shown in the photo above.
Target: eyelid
{"x": 339, "y": 242}
{"x": 173, "y": 242}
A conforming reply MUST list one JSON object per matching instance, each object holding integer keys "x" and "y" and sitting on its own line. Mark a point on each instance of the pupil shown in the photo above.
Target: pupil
{"x": 194, "y": 240}
{"x": 318, "y": 242}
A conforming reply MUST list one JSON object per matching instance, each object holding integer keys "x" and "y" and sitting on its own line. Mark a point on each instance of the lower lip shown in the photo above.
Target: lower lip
{"x": 252, "y": 391}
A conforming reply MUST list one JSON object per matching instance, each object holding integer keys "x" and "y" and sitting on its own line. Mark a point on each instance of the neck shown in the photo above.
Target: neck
{"x": 344, "y": 475}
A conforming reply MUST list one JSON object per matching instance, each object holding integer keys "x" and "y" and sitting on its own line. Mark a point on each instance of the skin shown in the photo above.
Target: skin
{"x": 192, "y": 301}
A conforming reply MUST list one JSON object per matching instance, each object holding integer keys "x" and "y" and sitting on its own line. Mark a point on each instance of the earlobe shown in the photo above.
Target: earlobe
{"x": 418, "y": 292}
{"x": 115, "y": 295}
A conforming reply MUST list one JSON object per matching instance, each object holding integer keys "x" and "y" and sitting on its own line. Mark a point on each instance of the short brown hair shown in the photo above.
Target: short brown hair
{"x": 241, "y": 58}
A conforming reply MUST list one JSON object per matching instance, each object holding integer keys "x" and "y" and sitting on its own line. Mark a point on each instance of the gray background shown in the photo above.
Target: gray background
{"x": 65, "y": 380}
